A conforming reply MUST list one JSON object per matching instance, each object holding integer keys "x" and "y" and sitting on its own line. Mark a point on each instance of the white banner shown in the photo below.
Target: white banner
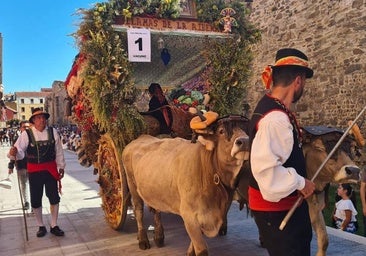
{"x": 139, "y": 45}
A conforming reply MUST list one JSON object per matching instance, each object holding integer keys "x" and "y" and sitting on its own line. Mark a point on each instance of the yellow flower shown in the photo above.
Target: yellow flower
{"x": 126, "y": 13}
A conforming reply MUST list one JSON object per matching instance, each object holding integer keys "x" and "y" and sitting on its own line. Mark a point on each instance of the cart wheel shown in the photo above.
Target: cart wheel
{"x": 113, "y": 184}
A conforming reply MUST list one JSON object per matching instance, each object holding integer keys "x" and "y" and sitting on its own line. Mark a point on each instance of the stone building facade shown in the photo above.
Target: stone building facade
{"x": 56, "y": 105}
{"x": 333, "y": 35}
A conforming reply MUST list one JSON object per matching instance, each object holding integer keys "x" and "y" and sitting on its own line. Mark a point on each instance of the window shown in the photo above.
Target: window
{"x": 23, "y": 118}
{"x": 41, "y": 101}
{"x": 22, "y": 101}
{"x": 32, "y": 101}
{"x": 22, "y": 109}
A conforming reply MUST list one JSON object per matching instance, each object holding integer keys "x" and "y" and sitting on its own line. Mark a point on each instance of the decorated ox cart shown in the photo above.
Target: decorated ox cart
{"x": 187, "y": 46}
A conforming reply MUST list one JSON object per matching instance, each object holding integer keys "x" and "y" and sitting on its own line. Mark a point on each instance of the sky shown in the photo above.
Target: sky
{"x": 38, "y": 48}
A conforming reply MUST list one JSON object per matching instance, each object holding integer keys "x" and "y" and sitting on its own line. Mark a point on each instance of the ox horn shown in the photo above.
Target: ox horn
{"x": 357, "y": 133}
{"x": 297, "y": 203}
{"x": 200, "y": 114}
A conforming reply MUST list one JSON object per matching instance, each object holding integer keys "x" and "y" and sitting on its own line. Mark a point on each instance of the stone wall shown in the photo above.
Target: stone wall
{"x": 333, "y": 35}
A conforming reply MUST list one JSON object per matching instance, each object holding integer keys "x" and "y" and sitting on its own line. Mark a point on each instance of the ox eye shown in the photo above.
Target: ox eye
{"x": 355, "y": 152}
{"x": 358, "y": 152}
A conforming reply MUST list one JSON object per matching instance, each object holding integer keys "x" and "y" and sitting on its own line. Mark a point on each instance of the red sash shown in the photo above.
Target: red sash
{"x": 51, "y": 167}
{"x": 258, "y": 203}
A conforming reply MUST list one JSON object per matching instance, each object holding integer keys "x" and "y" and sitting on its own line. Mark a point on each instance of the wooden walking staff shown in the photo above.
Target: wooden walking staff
{"x": 297, "y": 203}
{"x": 24, "y": 217}
{"x": 22, "y": 202}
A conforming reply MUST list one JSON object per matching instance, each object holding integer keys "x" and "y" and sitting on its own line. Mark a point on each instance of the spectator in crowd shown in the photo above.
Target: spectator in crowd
{"x": 11, "y": 136}
{"x": 21, "y": 167}
{"x": 4, "y": 137}
{"x": 64, "y": 142}
{"x": 345, "y": 212}
{"x": 363, "y": 198}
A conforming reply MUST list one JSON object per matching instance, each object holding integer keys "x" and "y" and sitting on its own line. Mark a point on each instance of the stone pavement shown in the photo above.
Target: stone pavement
{"x": 86, "y": 232}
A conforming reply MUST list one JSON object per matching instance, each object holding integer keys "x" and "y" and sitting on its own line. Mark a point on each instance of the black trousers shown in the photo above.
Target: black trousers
{"x": 37, "y": 182}
{"x": 293, "y": 240}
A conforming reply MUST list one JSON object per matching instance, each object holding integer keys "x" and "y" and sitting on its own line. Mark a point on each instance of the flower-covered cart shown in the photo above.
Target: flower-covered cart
{"x": 199, "y": 51}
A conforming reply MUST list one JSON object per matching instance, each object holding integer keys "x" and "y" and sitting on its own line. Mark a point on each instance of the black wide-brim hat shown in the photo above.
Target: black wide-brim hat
{"x": 36, "y": 112}
{"x": 298, "y": 59}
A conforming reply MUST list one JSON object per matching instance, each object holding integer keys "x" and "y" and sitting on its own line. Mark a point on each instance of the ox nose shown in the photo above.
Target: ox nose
{"x": 352, "y": 169}
{"x": 353, "y": 172}
{"x": 242, "y": 143}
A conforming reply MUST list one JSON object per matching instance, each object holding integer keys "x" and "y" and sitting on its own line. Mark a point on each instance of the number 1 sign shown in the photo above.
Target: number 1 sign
{"x": 139, "y": 45}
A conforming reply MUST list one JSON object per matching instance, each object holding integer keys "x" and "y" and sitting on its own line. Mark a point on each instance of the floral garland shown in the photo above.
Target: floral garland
{"x": 108, "y": 86}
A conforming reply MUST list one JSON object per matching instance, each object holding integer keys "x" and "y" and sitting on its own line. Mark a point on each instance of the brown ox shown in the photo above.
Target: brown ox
{"x": 340, "y": 168}
{"x": 193, "y": 180}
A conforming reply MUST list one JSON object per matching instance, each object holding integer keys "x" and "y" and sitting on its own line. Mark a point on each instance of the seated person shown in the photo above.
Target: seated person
{"x": 163, "y": 114}
{"x": 345, "y": 211}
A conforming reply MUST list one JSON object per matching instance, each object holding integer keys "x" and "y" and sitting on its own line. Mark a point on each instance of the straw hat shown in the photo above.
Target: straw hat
{"x": 36, "y": 112}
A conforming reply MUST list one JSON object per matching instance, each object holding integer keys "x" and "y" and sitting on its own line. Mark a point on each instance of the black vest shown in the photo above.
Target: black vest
{"x": 296, "y": 158}
{"x": 41, "y": 151}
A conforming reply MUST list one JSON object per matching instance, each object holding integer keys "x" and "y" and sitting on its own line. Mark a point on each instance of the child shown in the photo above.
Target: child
{"x": 345, "y": 211}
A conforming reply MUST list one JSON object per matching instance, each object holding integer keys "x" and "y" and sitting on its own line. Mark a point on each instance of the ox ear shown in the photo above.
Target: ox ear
{"x": 209, "y": 145}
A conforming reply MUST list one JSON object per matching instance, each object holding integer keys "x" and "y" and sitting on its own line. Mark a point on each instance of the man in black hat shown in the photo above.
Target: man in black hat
{"x": 45, "y": 163}
{"x": 277, "y": 162}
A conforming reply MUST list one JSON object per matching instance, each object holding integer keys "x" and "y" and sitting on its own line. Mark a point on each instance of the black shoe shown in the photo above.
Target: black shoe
{"x": 41, "y": 231}
{"x": 26, "y": 206}
{"x": 57, "y": 231}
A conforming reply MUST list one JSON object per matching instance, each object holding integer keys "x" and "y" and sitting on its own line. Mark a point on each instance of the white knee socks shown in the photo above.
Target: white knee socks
{"x": 54, "y": 214}
{"x": 38, "y": 214}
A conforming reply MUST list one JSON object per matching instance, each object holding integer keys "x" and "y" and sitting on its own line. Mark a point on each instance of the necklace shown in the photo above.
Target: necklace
{"x": 292, "y": 120}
